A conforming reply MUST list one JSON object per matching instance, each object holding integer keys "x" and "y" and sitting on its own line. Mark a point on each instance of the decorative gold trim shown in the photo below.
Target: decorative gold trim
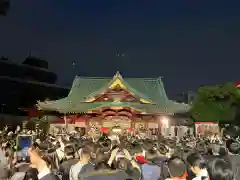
{"x": 91, "y": 99}
{"x": 145, "y": 101}
{"x": 116, "y": 108}
{"x": 117, "y": 100}
{"x": 117, "y": 82}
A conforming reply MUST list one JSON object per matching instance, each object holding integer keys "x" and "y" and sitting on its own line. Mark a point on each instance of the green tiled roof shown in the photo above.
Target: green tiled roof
{"x": 148, "y": 88}
{"x": 170, "y": 108}
{"x": 151, "y": 89}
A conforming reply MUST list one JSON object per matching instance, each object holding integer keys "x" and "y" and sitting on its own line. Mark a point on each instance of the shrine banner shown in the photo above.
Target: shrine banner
{"x": 206, "y": 128}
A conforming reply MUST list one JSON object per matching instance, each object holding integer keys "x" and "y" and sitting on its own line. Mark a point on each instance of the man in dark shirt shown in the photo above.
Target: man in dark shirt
{"x": 64, "y": 167}
{"x": 234, "y": 148}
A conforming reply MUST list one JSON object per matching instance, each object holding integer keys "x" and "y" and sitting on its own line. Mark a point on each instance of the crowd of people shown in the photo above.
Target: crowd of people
{"x": 117, "y": 157}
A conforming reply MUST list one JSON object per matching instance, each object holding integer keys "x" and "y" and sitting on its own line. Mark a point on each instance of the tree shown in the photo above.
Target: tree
{"x": 216, "y": 103}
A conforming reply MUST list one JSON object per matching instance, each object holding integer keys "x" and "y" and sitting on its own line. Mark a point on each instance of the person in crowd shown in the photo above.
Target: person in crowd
{"x": 177, "y": 169}
{"x": 20, "y": 170}
{"x": 219, "y": 169}
{"x": 213, "y": 152}
{"x": 31, "y": 174}
{"x": 151, "y": 170}
{"x": 197, "y": 165}
{"x": 122, "y": 160}
{"x": 233, "y": 148}
{"x": 84, "y": 155}
{"x": 138, "y": 153}
{"x": 70, "y": 160}
{"x": 216, "y": 150}
{"x": 43, "y": 163}
{"x": 60, "y": 149}
{"x": 122, "y": 157}
{"x": 3, "y": 161}
{"x": 103, "y": 171}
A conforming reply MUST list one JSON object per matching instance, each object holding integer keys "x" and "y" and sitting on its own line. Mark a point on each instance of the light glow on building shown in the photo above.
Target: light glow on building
{"x": 165, "y": 121}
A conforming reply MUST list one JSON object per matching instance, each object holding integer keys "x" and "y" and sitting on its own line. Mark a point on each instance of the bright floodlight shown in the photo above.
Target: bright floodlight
{"x": 165, "y": 121}
{"x": 117, "y": 130}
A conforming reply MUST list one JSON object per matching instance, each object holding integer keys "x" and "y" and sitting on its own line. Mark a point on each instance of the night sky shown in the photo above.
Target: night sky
{"x": 188, "y": 42}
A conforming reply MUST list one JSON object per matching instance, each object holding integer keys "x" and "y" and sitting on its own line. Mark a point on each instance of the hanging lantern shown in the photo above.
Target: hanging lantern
{"x": 129, "y": 130}
{"x": 104, "y": 130}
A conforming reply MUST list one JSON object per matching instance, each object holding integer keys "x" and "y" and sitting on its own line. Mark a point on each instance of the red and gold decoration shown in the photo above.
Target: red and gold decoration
{"x": 117, "y": 101}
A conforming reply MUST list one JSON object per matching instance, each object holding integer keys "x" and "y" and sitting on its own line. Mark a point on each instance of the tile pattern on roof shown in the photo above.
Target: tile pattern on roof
{"x": 85, "y": 87}
{"x": 117, "y": 79}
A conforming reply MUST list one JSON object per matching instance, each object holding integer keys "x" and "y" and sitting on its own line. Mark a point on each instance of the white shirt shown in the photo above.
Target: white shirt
{"x": 3, "y": 159}
{"x": 74, "y": 171}
{"x": 45, "y": 171}
{"x": 202, "y": 173}
{"x": 60, "y": 153}
{"x": 18, "y": 176}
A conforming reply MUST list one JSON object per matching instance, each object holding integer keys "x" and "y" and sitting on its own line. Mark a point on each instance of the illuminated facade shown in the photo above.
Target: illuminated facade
{"x": 117, "y": 101}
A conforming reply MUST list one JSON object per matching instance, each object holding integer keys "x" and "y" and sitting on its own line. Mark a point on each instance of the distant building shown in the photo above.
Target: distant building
{"x": 23, "y": 84}
{"x": 4, "y": 7}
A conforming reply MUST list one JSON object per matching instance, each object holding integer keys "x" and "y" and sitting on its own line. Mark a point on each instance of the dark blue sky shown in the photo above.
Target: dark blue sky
{"x": 188, "y": 42}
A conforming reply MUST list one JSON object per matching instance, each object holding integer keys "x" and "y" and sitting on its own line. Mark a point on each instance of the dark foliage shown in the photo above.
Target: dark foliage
{"x": 217, "y": 103}
{"x": 4, "y": 7}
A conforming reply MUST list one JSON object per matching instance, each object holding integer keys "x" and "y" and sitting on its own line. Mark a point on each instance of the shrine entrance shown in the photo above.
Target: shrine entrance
{"x": 121, "y": 121}
{"x": 110, "y": 121}
{"x": 118, "y": 117}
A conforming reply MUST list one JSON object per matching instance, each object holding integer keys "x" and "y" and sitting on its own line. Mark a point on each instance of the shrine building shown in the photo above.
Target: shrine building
{"x": 126, "y": 102}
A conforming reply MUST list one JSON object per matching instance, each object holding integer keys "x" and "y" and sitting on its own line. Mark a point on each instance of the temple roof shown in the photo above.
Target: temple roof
{"x": 150, "y": 90}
